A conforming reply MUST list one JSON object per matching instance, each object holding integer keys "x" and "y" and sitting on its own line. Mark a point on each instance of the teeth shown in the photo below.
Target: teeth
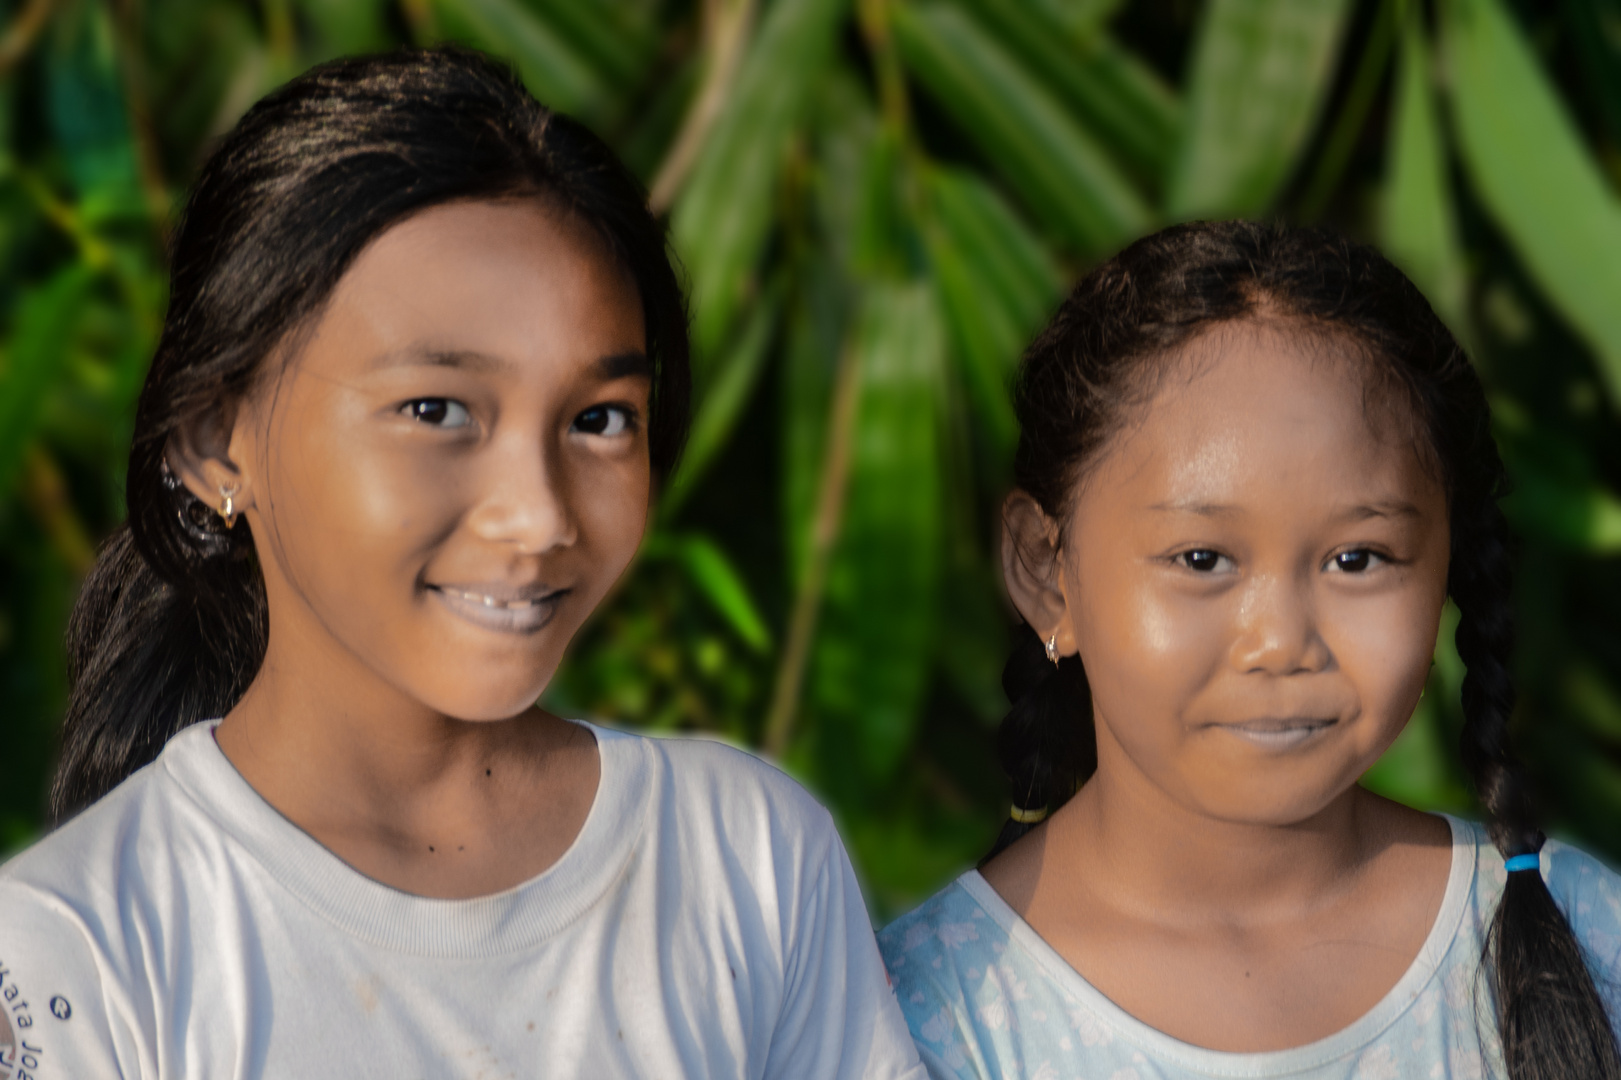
{"x": 492, "y": 602}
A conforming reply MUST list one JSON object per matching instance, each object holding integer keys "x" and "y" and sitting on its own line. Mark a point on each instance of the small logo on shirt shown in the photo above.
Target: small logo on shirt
{"x": 60, "y": 1007}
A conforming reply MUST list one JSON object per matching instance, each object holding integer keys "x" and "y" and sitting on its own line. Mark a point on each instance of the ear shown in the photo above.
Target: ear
{"x": 201, "y": 452}
{"x": 1032, "y": 569}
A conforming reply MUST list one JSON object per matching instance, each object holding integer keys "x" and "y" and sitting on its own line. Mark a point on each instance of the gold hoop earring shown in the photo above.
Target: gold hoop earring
{"x": 1052, "y": 648}
{"x": 227, "y": 509}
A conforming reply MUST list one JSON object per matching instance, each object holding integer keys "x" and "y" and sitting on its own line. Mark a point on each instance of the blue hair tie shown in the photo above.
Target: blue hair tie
{"x": 1522, "y": 862}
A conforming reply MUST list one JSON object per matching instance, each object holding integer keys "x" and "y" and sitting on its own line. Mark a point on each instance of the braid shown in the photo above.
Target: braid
{"x": 1480, "y": 586}
{"x": 1550, "y": 1016}
{"x": 1046, "y": 741}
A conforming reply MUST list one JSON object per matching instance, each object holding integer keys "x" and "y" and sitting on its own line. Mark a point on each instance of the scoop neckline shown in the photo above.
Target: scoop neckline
{"x": 515, "y": 919}
{"x": 1265, "y": 1063}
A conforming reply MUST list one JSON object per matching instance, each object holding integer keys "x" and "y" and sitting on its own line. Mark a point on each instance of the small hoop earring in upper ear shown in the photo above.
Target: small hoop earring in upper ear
{"x": 228, "y": 506}
{"x": 1052, "y": 648}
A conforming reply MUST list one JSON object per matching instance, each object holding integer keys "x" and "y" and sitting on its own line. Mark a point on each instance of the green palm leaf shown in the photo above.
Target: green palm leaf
{"x": 723, "y": 217}
{"x": 875, "y": 649}
{"x": 996, "y": 283}
{"x": 1259, "y": 74}
{"x": 1418, "y": 228}
{"x": 46, "y": 319}
{"x": 1535, "y": 175}
{"x": 1114, "y": 93}
{"x": 557, "y": 72}
{"x": 1070, "y": 182}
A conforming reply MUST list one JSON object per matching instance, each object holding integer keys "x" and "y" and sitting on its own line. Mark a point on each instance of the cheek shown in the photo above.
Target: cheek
{"x": 1147, "y": 650}
{"x": 1384, "y": 647}
{"x": 348, "y": 501}
{"x": 611, "y": 499}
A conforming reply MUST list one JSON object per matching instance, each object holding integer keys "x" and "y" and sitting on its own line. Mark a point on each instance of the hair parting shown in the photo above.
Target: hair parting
{"x": 1105, "y": 348}
{"x": 171, "y": 626}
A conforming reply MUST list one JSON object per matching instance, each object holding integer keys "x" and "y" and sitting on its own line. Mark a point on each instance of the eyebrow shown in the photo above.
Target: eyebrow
{"x": 619, "y": 365}
{"x": 1194, "y": 506}
{"x": 623, "y": 365}
{"x": 1386, "y": 508}
{"x": 465, "y": 359}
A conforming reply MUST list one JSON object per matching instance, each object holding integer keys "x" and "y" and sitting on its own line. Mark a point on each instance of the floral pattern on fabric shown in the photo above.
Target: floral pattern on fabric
{"x": 987, "y": 999}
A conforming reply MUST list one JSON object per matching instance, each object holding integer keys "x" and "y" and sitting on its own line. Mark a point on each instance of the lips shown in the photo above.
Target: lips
{"x": 1280, "y": 733}
{"x": 522, "y": 610}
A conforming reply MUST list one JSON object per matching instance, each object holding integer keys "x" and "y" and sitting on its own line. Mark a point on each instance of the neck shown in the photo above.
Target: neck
{"x": 324, "y": 739}
{"x": 1177, "y": 864}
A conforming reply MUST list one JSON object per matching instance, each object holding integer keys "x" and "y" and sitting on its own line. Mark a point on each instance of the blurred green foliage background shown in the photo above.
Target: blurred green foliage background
{"x": 877, "y": 202}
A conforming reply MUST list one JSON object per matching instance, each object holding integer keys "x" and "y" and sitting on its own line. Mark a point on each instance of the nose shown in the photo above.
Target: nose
{"x": 1278, "y": 632}
{"x": 526, "y": 500}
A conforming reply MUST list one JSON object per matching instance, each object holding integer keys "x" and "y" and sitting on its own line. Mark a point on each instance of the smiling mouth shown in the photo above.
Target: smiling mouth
{"x": 513, "y": 611}
{"x": 1279, "y": 734}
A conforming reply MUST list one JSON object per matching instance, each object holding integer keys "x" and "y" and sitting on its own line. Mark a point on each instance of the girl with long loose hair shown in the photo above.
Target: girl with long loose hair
{"x": 424, "y": 364}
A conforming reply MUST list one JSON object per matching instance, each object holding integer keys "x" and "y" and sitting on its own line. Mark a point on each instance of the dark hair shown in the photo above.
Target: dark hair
{"x": 170, "y": 627}
{"x": 1097, "y": 359}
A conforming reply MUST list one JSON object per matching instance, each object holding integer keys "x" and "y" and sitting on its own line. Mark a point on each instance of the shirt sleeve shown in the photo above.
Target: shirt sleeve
{"x": 839, "y": 1018}
{"x": 931, "y": 1016}
{"x": 58, "y": 1021}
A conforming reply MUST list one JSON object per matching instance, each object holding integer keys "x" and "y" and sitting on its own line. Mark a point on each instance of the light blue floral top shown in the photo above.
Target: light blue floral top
{"x": 986, "y": 997}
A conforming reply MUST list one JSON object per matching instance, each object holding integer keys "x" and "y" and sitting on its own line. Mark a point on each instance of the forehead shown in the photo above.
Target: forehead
{"x": 518, "y": 280}
{"x": 1254, "y": 413}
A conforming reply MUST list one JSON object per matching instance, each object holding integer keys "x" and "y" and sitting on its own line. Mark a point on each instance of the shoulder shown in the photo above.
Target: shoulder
{"x": 110, "y": 874}
{"x": 67, "y": 947}
{"x": 925, "y": 949}
{"x": 707, "y": 773}
{"x": 80, "y": 860}
{"x": 711, "y": 793}
{"x": 1586, "y": 890}
{"x": 1589, "y": 893}
{"x": 1571, "y": 871}
{"x": 945, "y": 960}
{"x": 52, "y": 970}
{"x": 710, "y": 765}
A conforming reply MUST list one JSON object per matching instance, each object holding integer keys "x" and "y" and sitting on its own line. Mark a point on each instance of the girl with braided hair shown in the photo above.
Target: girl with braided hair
{"x": 1253, "y": 466}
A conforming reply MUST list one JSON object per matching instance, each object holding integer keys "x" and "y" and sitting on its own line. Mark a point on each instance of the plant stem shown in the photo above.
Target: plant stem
{"x": 1353, "y": 115}
{"x": 131, "y": 64}
{"x": 92, "y": 250}
{"x": 22, "y": 32}
{"x": 46, "y": 495}
{"x": 280, "y": 37}
{"x": 873, "y": 16}
{"x": 727, "y": 24}
{"x": 419, "y": 19}
{"x": 779, "y": 728}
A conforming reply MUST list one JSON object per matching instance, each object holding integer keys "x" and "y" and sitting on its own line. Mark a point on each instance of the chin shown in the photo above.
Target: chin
{"x": 1278, "y": 816}
{"x": 1272, "y": 804}
{"x": 485, "y": 701}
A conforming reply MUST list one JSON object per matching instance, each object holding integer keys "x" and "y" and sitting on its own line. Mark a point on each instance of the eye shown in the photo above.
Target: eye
{"x": 438, "y": 411}
{"x": 1202, "y": 560}
{"x": 605, "y": 420}
{"x": 1355, "y": 562}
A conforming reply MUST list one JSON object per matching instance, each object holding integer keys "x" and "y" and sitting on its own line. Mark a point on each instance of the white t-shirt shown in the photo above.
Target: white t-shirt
{"x": 705, "y": 923}
{"x": 987, "y": 997}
